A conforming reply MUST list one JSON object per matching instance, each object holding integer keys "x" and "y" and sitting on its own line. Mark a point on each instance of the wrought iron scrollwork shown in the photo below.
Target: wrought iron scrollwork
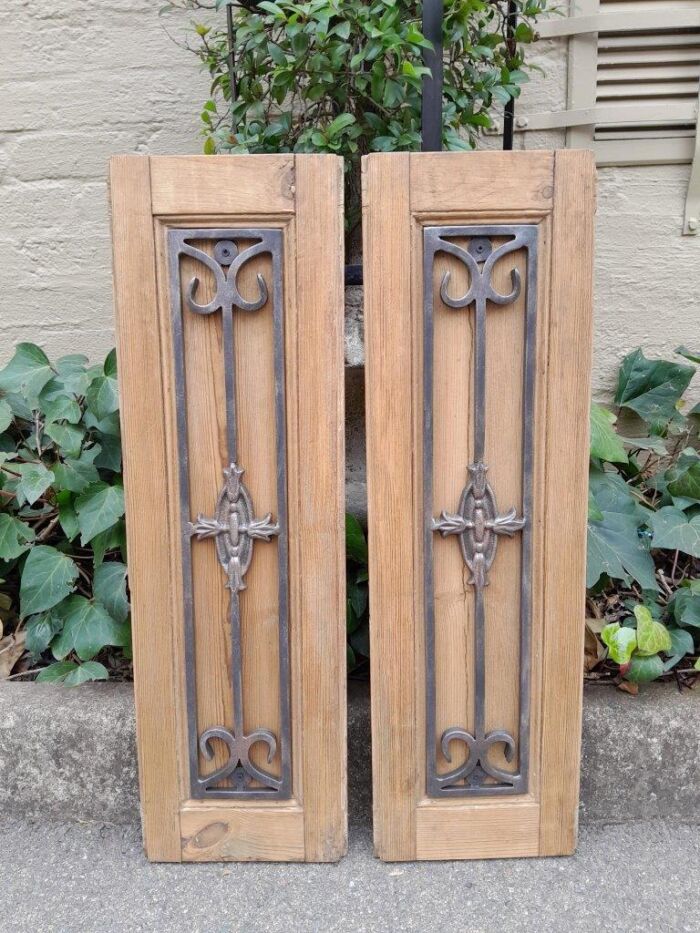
{"x": 234, "y": 527}
{"x": 477, "y": 522}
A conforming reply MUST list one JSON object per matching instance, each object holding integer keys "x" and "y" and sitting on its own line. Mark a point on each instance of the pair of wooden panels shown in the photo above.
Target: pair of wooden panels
{"x": 229, "y": 298}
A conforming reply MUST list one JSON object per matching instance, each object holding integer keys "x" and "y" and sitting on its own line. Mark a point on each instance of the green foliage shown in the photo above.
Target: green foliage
{"x": 357, "y": 594}
{"x": 61, "y": 511}
{"x": 644, "y": 519}
{"x": 344, "y": 76}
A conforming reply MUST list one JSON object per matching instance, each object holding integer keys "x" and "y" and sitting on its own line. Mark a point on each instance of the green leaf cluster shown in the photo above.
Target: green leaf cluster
{"x": 357, "y": 614}
{"x": 644, "y": 515}
{"x": 62, "y": 546}
{"x": 344, "y": 76}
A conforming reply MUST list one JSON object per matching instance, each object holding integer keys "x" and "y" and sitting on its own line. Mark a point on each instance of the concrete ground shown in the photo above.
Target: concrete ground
{"x": 93, "y": 878}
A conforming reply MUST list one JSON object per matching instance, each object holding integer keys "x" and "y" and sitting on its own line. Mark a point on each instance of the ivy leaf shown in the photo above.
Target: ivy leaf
{"x": 27, "y": 372}
{"x": 360, "y": 640}
{"x": 87, "y": 628}
{"x": 47, "y": 578}
{"x": 35, "y": 480}
{"x": 686, "y": 607}
{"x": 652, "y": 388}
{"x": 90, "y": 670}
{"x": 642, "y": 670}
{"x": 605, "y": 443}
{"x": 620, "y": 641}
{"x": 103, "y": 396}
{"x": 355, "y": 541}
{"x": 76, "y": 475}
{"x": 56, "y": 673}
{"x": 688, "y": 354}
{"x": 108, "y": 540}
{"x": 672, "y": 529}
{"x": 98, "y": 508}
{"x": 652, "y": 636}
{"x": 62, "y": 408}
{"x": 40, "y": 630}
{"x": 683, "y": 477}
{"x": 69, "y": 437}
{"x": 594, "y": 513}
{"x": 681, "y": 644}
{"x": 109, "y": 456}
{"x": 15, "y": 536}
{"x": 109, "y": 588}
{"x": 67, "y": 518}
{"x": 614, "y": 545}
{"x": 6, "y": 415}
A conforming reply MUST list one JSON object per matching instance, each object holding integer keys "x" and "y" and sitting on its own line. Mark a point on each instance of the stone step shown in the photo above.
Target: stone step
{"x": 69, "y": 754}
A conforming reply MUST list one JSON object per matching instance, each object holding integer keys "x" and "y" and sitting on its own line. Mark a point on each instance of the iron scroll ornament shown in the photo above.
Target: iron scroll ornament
{"x": 234, "y": 527}
{"x": 477, "y": 523}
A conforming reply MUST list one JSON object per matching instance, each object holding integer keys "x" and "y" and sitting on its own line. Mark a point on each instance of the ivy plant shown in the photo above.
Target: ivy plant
{"x": 344, "y": 76}
{"x": 62, "y": 549}
{"x": 644, "y": 520}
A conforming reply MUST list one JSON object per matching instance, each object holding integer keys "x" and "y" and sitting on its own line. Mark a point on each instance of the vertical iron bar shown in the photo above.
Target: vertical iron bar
{"x": 431, "y": 106}
{"x": 479, "y": 454}
{"x": 509, "y": 110}
{"x": 232, "y": 445}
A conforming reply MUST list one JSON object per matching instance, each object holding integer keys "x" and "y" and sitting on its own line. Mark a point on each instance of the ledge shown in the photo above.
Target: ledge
{"x": 69, "y": 754}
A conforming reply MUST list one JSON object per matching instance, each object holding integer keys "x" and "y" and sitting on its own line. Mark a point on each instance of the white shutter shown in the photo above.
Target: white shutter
{"x": 634, "y": 71}
{"x": 634, "y": 85}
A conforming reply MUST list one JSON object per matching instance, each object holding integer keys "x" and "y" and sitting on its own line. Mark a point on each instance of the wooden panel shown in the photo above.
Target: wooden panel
{"x": 147, "y": 508}
{"x": 390, "y": 457}
{"x": 539, "y": 815}
{"x": 568, "y": 399}
{"x": 454, "y": 181}
{"x": 320, "y": 444}
{"x": 234, "y": 194}
{"x": 254, "y": 834}
{"x": 495, "y": 831}
{"x": 181, "y": 185}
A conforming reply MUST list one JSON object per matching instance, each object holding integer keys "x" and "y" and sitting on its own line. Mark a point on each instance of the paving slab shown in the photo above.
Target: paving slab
{"x": 93, "y": 878}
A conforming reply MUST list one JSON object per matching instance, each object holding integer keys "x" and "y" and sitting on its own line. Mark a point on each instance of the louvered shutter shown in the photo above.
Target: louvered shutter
{"x": 634, "y": 77}
{"x": 642, "y": 82}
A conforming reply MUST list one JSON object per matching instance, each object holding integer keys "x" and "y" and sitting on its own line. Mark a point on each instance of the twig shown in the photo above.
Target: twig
{"x": 35, "y": 670}
{"x": 49, "y": 528}
{"x": 664, "y": 582}
{"x": 673, "y": 569}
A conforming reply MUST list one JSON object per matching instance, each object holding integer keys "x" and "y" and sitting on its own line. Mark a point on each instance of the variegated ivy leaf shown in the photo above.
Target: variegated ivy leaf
{"x": 652, "y": 636}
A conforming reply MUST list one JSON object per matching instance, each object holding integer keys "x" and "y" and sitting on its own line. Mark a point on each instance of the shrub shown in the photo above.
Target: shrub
{"x": 62, "y": 548}
{"x": 344, "y": 76}
{"x": 644, "y": 522}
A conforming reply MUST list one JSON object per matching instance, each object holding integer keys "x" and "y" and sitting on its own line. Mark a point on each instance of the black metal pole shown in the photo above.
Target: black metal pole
{"x": 431, "y": 113}
{"x": 509, "y": 110}
{"x": 231, "y": 64}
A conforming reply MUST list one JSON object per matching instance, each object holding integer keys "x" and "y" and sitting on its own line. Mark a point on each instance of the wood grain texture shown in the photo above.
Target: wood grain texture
{"x": 312, "y": 223}
{"x": 147, "y": 508}
{"x": 252, "y": 834}
{"x": 480, "y": 831}
{"x": 389, "y": 349}
{"x": 568, "y": 394}
{"x": 517, "y": 188}
{"x": 320, "y": 447}
{"x": 473, "y": 181}
{"x": 201, "y": 185}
